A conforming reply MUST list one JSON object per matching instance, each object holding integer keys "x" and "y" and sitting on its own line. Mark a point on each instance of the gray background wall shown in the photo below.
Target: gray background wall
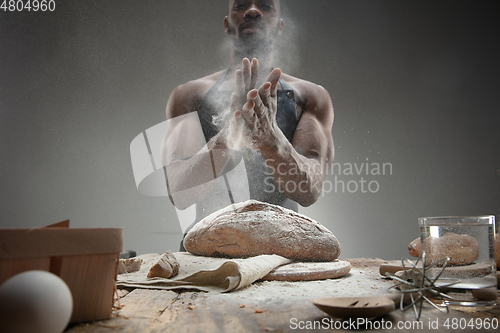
{"x": 413, "y": 83}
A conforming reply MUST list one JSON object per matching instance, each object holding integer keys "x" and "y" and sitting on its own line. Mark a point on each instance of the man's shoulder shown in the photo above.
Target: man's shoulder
{"x": 188, "y": 96}
{"x": 306, "y": 90}
{"x": 200, "y": 85}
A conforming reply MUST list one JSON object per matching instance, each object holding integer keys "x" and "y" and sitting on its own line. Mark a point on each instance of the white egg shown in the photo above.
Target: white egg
{"x": 35, "y": 301}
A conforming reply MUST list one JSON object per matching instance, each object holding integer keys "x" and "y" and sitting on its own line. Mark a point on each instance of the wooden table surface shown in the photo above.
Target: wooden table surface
{"x": 143, "y": 310}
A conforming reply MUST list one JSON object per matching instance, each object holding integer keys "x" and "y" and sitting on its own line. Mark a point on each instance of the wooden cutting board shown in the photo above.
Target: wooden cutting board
{"x": 308, "y": 271}
{"x": 472, "y": 270}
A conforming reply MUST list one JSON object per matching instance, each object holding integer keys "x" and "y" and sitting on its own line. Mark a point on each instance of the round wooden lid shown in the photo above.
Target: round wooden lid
{"x": 307, "y": 271}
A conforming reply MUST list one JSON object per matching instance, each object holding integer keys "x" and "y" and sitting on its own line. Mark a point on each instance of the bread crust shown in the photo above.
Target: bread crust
{"x": 166, "y": 267}
{"x": 254, "y": 228}
{"x": 129, "y": 265}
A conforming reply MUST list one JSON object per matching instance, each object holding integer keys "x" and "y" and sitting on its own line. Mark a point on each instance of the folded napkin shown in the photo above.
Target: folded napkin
{"x": 203, "y": 273}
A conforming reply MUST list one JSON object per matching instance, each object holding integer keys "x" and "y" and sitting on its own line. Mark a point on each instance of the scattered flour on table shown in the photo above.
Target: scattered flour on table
{"x": 356, "y": 283}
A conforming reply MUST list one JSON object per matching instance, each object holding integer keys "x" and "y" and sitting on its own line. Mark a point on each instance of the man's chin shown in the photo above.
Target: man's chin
{"x": 250, "y": 35}
{"x": 255, "y": 38}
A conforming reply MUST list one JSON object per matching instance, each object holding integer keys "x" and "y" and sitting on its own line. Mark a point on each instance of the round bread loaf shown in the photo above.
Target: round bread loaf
{"x": 253, "y": 228}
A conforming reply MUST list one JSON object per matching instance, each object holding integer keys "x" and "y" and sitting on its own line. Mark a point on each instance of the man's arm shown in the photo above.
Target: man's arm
{"x": 313, "y": 145}
{"x": 189, "y": 163}
{"x": 298, "y": 168}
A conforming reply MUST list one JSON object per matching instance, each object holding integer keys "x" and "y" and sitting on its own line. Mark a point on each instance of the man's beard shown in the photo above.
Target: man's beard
{"x": 255, "y": 43}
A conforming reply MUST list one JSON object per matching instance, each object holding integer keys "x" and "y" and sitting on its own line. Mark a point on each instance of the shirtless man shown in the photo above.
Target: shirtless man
{"x": 283, "y": 119}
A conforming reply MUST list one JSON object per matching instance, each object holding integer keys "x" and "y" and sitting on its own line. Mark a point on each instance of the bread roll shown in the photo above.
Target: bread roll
{"x": 461, "y": 249}
{"x": 414, "y": 248}
{"x": 253, "y": 228}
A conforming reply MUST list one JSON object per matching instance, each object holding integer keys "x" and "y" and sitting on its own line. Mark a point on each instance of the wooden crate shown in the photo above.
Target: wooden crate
{"x": 86, "y": 259}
